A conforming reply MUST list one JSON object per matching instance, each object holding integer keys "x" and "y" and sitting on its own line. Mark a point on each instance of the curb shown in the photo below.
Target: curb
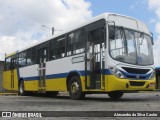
{"x": 8, "y": 94}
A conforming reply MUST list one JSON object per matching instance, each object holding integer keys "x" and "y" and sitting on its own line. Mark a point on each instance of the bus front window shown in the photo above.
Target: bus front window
{"x": 130, "y": 46}
{"x": 144, "y": 49}
{"x": 117, "y": 44}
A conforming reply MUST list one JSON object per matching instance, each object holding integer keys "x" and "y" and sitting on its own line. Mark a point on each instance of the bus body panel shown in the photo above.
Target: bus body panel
{"x": 29, "y": 72}
{"x": 10, "y": 80}
{"x": 30, "y": 76}
{"x": 15, "y": 80}
{"x": 58, "y": 84}
{"x": 56, "y": 73}
{"x": 7, "y": 80}
{"x": 58, "y": 70}
{"x": 65, "y": 66}
{"x": 128, "y": 22}
{"x": 31, "y": 85}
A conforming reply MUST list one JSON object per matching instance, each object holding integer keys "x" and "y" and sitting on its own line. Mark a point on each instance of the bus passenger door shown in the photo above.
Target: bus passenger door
{"x": 42, "y": 68}
{"x": 95, "y": 59}
{"x": 13, "y": 66}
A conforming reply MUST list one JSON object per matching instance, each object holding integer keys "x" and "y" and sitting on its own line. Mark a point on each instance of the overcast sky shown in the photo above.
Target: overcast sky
{"x": 21, "y": 21}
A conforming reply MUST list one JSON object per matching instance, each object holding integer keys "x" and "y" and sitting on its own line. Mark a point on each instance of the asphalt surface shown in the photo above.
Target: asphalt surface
{"x": 144, "y": 101}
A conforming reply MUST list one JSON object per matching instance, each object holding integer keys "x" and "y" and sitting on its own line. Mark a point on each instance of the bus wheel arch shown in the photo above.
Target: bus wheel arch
{"x": 73, "y": 80}
{"x": 21, "y": 90}
{"x": 69, "y": 76}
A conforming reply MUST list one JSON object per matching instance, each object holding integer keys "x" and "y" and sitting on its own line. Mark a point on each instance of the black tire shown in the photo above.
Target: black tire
{"x": 75, "y": 88}
{"x": 115, "y": 95}
{"x": 52, "y": 93}
{"x": 21, "y": 90}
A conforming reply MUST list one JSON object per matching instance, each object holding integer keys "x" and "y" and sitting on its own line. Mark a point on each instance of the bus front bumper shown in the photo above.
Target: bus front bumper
{"x": 116, "y": 84}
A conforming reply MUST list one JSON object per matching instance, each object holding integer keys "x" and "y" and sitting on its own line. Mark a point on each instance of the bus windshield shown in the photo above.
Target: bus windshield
{"x": 130, "y": 46}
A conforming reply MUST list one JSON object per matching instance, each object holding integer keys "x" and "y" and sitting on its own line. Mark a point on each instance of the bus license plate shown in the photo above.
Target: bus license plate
{"x": 151, "y": 85}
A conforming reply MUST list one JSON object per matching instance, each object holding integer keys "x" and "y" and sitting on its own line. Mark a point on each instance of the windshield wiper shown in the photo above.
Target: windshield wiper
{"x": 142, "y": 36}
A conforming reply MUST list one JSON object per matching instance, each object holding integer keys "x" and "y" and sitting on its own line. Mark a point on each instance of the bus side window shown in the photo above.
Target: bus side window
{"x": 22, "y": 59}
{"x": 8, "y": 63}
{"x": 75, "y": 43}
{"x": 79, "y": 44}
{"x": 52, "y": 54}
{"x": 70, "y": 44}
{"x": 60, "y": 48}
{"x": 13, "y": 63}
{"x": 31, "y": 56}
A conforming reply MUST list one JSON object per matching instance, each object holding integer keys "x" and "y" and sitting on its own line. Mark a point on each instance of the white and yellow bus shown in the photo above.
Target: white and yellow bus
{"x": 110, "y": 53}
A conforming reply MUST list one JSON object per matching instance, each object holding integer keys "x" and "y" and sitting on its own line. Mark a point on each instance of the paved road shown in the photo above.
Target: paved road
{"x": 129, "y": 102}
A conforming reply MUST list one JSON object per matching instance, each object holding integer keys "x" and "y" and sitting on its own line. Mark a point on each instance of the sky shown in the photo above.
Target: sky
{"x": 21, "y": 22}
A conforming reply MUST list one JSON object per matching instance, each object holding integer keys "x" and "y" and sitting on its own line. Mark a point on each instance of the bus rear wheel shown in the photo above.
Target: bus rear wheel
{"x": 115, "y": 95}
{"x": 75, "y": 88}
{"x": 21, "y": 90}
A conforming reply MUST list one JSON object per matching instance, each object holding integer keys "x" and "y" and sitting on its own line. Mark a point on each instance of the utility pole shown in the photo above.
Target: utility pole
{"x": 51, "y": 29}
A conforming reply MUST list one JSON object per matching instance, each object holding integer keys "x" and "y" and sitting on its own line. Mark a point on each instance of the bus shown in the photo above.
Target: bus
{"x": 110, "y": 53}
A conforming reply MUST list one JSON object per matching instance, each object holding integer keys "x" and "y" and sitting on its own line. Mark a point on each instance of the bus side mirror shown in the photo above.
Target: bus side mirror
{"x": 112, "y": 33}
{"x": 152, "y": 39}
{"x": 111, "y": 29}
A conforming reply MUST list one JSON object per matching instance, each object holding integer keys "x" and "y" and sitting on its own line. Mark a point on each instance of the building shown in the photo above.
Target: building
{"x": 1, "y": 71}
{"x": 157, "y": 70}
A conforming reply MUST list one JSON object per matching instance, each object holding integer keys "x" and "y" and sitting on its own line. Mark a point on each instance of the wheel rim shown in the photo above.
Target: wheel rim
{"x": 21, "y": 88}
{"x": 74, "y": 88}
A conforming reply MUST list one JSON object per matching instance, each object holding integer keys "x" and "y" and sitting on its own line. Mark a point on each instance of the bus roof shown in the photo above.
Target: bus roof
{"x": 8, "y": 55}
{"x": 121, "y": 20}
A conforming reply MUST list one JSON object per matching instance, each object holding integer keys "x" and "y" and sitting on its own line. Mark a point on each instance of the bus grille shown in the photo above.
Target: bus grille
{"x": 132, "y": 83}
{"x": 134, "y": 77}
{"x": 135, "y": 70}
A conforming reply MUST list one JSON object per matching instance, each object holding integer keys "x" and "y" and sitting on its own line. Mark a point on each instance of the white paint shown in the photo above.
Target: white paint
{"x": 128, "y": 22}
{"x": 77, "y": 59}
{"x": 29, "y": 71}
{"x": 63, "y": 65}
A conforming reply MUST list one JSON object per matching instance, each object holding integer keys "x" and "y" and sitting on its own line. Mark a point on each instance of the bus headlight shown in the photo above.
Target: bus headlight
{"x": 152, "y": 76}
{"x": 118, "y": 74}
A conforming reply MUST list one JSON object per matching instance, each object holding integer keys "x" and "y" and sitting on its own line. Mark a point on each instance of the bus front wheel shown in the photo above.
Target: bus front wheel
{"x": 115, "y": 95}
{"x": 75, "y": 88}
